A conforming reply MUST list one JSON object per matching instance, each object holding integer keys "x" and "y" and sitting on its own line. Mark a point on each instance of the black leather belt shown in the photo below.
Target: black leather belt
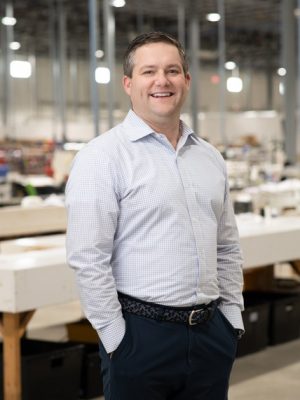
{"x": 187, "y": 315}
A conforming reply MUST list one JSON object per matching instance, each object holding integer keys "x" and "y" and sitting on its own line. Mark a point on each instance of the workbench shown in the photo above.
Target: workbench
{"x": 32, "y": 275}
{"x": 19, "y": 221}
{"x": 269, "y": 241}
{"x": 33, "y": 279}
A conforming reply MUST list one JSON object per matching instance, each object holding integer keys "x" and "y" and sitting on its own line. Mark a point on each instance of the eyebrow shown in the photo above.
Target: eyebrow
{"x": 147, "y": 66}
{"x": 155, "y": 66}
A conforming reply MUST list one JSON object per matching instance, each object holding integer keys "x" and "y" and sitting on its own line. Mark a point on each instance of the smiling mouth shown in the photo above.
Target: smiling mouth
{"x": 161, "y": 94}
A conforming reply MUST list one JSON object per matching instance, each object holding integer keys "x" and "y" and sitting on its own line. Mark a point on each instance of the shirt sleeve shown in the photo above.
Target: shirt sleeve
{"x": 230, "y": 261}
{"x": 92, "y": 205}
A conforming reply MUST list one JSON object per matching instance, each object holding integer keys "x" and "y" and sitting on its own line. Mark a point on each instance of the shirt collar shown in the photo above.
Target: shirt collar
{"x": 136, "y": 128}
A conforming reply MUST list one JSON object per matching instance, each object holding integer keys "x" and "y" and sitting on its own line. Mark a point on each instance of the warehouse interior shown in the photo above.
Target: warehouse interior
{"x": 60, "y": 86}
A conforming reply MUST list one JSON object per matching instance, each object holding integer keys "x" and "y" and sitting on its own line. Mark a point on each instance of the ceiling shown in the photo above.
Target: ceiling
{"x": 252, "y": 27}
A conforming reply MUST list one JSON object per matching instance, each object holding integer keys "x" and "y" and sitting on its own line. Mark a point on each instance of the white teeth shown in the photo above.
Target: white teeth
{"x": 162, "y": 94}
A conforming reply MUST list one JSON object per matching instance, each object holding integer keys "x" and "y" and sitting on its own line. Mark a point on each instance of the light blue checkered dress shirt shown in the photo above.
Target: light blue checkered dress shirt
{"x": 152, "y": 222}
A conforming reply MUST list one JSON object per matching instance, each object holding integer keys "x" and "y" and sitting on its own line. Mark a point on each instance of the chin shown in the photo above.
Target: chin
{"x": 165, "y": 111}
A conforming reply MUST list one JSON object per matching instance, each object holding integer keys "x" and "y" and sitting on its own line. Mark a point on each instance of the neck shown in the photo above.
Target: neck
{"x": 172, "y": 131}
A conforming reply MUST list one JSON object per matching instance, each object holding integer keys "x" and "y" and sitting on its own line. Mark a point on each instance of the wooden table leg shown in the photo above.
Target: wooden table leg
{"x": 296, "y": 266}
{"x": 259, "y": 278}
{"x": 13, "y": 326}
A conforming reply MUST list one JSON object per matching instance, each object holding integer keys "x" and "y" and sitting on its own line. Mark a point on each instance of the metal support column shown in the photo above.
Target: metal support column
{"x": 62, "y": 68}
{"x": 7, "y": 80}
{"x": 248, "y": 85}
{"x": 298, "y": 83}
{"x": 140, "y": 18}
{"x": 74, "y": 80}
{"x": 181, "y": 22}
{"x": 4, "y": 76}
{"x": 194, "y": 41}
{"x": 53, "y": 55}
{"x": 269, "y": 79}
{"x": 93, "y": 34}
{"x": 33, "y": 83}
{"x": 222, "y": 74}
{"x": 109, "y": 33}
{"x": 289, "y": 62}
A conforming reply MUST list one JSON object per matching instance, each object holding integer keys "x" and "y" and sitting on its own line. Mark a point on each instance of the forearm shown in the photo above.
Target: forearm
{"x": 103, "y": 310}
{"x": 230, "y": 277}
{"x": 230, "y": 265}
{"x": 99, "y": 299}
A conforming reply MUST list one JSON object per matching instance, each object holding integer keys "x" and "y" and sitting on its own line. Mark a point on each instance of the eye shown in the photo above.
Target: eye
{"x": 173, "y": 71}
{"x": 147, "y": 72}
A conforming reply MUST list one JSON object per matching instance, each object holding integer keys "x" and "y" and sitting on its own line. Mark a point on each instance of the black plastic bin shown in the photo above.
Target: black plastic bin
{"x": 284, "y": 317}
{"x": 256, "y": 322}
{"x": 91, "y": 380}
{"x": 50, "y": 370}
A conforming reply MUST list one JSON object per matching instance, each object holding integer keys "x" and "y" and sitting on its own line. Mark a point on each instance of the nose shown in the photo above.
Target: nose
{"x": 161, "y": 79}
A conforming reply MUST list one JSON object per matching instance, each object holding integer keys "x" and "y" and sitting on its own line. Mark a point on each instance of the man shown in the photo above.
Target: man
{"x": 153, "y": 241}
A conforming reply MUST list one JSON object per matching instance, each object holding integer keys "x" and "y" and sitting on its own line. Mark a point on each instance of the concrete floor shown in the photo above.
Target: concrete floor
{"x": 271, "y": 374}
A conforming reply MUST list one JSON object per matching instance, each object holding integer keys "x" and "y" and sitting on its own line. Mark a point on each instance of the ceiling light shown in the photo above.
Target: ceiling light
{"x": 297, "y": 12}
{"x": 20, "y": 69}
{"x": 281, "y": 88}
{"x": 99, "y": 53}
{"x": 14, "y": 45}
{"x": 230, "y": 65}
{"x": 118, "y": 3}
{"x": 234, "y": 84}
{"x": 9, "y": 21}
{"x": 281, "y": 71}
{"x": 73, "y": 146}
{"x": 102, "y": 75}
{"x": 213, "y": 17}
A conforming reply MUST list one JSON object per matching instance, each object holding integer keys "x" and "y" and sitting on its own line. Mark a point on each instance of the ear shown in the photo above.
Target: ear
{"x": 127, "y": 84}
{"x": 188, "y": 79}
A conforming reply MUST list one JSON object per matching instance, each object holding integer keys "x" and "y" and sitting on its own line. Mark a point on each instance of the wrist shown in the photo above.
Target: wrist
{"x": 239, "y": 333}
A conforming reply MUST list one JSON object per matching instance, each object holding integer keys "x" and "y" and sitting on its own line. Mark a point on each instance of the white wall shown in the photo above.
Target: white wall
{"x": 34, "y": 117}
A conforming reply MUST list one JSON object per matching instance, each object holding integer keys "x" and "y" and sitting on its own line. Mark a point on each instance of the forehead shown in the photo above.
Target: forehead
{"x": 155, "y": 54}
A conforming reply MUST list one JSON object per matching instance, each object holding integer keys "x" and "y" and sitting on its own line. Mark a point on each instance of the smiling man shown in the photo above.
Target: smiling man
{"x": 157, "y": 82}
{"x": 152, "y": 238}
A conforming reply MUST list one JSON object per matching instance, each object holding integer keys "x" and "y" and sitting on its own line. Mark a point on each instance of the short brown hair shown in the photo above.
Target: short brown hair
{"x": 151, "y": 37}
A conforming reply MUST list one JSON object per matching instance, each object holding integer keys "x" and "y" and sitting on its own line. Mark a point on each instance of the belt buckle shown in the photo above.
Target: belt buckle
{"x": 192, "y": 315}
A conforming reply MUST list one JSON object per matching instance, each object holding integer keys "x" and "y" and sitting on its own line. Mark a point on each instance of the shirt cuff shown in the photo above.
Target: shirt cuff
{"x": 112, "y": 335}
{"x": 233, "y": 314}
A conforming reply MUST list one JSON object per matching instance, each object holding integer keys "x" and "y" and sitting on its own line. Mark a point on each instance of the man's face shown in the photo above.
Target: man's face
{"x": 158, "y": 86}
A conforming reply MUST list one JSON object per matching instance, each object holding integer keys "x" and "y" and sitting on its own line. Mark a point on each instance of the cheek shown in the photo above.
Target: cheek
{"x": 139, "y": 92}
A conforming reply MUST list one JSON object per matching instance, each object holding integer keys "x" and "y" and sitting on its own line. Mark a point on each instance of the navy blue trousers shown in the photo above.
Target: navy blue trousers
{"x": 159, "y": 360}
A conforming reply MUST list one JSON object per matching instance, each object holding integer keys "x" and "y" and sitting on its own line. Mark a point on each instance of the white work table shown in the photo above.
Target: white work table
{"x": 36, "y": 275}
{"x": 29, "y": 281}
{"x": 268, "y": 241}
{"x": 20, "y": 221}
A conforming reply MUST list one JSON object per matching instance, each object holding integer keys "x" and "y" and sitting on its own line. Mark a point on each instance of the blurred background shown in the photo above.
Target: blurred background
{"x": 60, "y": 86}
